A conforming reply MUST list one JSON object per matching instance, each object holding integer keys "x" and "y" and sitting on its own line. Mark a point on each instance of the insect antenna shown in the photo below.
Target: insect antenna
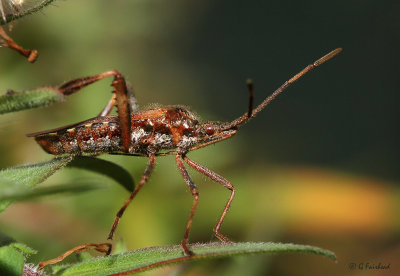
{"x": 250, "y": 86}
{"x": 253, "y": 112}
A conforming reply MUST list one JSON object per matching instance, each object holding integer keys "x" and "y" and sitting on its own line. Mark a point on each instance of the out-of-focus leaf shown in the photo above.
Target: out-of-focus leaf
{"x": 155, "y": 257}
{"x": 24, "y": 193}
{"x": 27, "y": 176}
{"x": 12, "y": 258}
{"x": 17, "y": 9}
{"x": 107, "y": 168}
{"x": 16, "y": 101}
{"x": 5, "y": 239}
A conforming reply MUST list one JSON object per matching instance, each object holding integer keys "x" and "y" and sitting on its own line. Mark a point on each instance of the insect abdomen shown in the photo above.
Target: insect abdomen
{"x": 95, "y": 137}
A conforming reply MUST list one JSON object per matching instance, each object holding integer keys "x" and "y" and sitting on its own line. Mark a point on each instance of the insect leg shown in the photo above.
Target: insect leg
{"x": 121, "y": 98}
{"x": 107, "y": 109}
{"x": 221, "y": 180}
{"x": 124, "y": 109}
{"x": 143, "y": 180}
{"x": 195, "y": 193}
{"x": 101, "y": 247}
{"x": 7, "y": 41}
{"x": 134, "y": 105}
{"x": 75, "y": 85}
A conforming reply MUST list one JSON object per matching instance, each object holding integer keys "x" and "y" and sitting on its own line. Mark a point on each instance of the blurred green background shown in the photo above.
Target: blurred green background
{"x": 319, "y": 166}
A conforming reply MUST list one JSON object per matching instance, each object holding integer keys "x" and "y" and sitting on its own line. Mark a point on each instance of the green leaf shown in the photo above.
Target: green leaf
{"x": 24, "y": 10}
{"x": 120, "y": 247}
{"x": 23, "y": 248}
{"x": 155, "y": 257}
{"x": 11, "y": 261}
{"x": 27, "y": 176}
{"x": 31, "y": 175}
{"x": 12, "y": 258}
{"x": 82, "y": 256}
{"x": 17, "y": 183}
{"x": 15, "y": 101}
{"x": 104, "y": 167}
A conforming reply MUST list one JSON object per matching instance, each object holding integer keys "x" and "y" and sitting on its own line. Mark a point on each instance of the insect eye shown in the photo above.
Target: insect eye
{"x": 210, "y": 129}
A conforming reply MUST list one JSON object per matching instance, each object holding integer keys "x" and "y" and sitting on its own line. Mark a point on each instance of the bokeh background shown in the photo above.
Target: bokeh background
{"x": 319, "y": 166}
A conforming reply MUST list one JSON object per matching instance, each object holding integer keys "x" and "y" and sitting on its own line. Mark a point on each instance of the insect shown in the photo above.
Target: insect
{"x": 152, "y": 132}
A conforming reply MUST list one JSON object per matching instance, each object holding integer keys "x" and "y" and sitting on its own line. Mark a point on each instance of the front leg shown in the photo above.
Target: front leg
{"x": 121, "y": 97}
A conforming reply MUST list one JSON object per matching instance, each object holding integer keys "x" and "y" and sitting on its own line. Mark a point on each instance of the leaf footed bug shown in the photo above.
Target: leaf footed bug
{"x": 156, "y": 131}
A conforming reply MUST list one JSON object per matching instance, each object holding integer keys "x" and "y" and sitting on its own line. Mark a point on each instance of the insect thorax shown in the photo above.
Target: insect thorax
{"x": 171, "y": 127}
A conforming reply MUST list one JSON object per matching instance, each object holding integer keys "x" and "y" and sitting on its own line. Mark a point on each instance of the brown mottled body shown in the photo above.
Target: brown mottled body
{"x": 91, "y": 136}
{"x": 165, "y": 130}
{"x": 152, "y": 130}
